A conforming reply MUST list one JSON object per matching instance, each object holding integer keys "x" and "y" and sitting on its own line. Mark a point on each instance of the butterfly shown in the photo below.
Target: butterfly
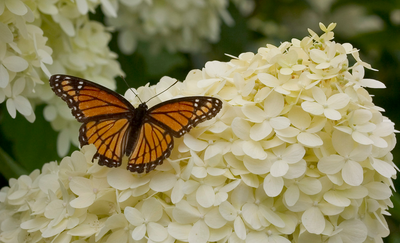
{"x": 117, "y": 129}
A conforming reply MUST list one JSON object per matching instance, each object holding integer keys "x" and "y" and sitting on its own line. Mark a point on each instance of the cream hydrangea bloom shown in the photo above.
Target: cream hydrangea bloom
{"x": 267, "y": 168}
{"x": 40, "y": 37}
{"x": 176, "y": 25}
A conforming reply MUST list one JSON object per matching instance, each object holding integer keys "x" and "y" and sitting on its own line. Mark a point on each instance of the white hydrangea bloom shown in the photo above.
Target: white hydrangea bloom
{"x": 291, "y": 157}
{"x": 41, "y": 37}
{"x": 176, "y": 25}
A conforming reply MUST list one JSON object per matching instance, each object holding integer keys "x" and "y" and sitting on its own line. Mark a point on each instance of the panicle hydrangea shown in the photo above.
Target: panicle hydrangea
{"x": 299, "y": 153}
{"x": 176, "y": 25}
{"x": 40, "y": 37}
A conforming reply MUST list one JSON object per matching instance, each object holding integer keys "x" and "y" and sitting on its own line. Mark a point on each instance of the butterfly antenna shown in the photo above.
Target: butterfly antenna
{"x": 131, "y": 89}
{"x": 162, "y": 91}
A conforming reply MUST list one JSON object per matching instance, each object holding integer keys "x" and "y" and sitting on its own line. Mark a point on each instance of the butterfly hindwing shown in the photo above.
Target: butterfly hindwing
{"x": 154, "y": 144}
{"x": 109, "y": 137}
{"x": 88, "y": 100}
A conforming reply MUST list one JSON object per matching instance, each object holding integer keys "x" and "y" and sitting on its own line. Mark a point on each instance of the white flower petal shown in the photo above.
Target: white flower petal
{"x": 338, "y": 101}
{"x": 134, "y": 216}
{"x": 17, "y": 7}
{"x": 227, "y": 211}
{"x": 260, "y": 131}
{"x": 279, "y": 168}
{"x": 4, "y": 77}
{"x": 332, "y": 114}
{"x": 352, "y": 173}
{"x": 214, "y": 219}
{"x": 382, "y": 167}
{"x": 254, "y": 150}
{"x": 292, "y": 195}
{"x": 378, "y": 190}
{"x": 353, "y": 230}
{"x": 331, "y": 164}
{"x": 312, "y": 107}
{"x": 250, "y": 215}
{"x": 279, "y": 123}
{"x": 179, "y": 231}
{"x": 15, "y": 63}
{"x": 184, "y": 213}
{"x": 336, "y": 198}
{"x": 120, "y": 179}
{"x": 205, "y": 196}
{"x": 199, "y": 233}
{"x": 152, "y": 210}
{"x": 273, "y": 185}
{"x": 268, "y": 80}
{"x": 156, "y": 232}
{"x": 310, "y": 186}
{"x": 163, "y": 182}
{"x": 254, "y": 113}
{"x": 256, "y": 166}
{"x": 193, "y": 143}
{"x": 11, "y": 108}
{"x": 309, "y": 139}
{"x": 313, "y": 220}
{"x": 241, "y": 128}
{"x": 240, "y": 228}
{"x": 372, "y": 83}
{"x": 139, "y": 232}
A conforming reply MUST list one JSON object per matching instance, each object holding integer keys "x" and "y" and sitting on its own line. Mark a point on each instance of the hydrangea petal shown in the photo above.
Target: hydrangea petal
{"x": 331, "y": 164}
{"x": 240, "y": 228}
{"x": 205, "y": 196}
{"x": 184, "y": 213}
{"x": 156, "y": 232}
{"x": 164, "y": 181}
{"x": 378, "y": 190}
{"x": 15, "y": 63}
{"x": 120, "y": 179}
{"x": 336, "y": 198}
{"x": 213, "y": 219}
{"x": 139, "y": 232}
{"x": 199, "y": 232}
{"x": 254, "y": 150}
{"x": 313, "y": 220}
{"x": 179, "y": 231}
{"x": 338, "y": 101}
{"x": 312, "y": 107}
{"x": 227, "y": 211}
{"x": 4, "y": 77}
{"x": 273, "y": 185}
{"x": 309, "y": 140}
{"x": 260, "y": 131}
{"x": 292, "y": 195}
{"x": 353, "y": 231}
{"x": 352, "y": 173}
{"x": 310, "y": 186}
{"x": 241, "y": 128}
{"x": 384, "y": 168}
{"x": 134, "y": 216}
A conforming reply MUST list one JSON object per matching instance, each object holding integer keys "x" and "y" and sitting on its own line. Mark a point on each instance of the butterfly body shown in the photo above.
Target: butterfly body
{"x": 117, "y": 129}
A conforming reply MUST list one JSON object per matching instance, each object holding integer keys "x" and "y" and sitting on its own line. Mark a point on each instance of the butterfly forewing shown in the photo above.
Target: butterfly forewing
{"x": 182, "y": 114}
{"x": 88, "y": 100}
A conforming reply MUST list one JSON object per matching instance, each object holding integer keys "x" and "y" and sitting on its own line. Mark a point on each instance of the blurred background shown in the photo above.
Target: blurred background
{"x": 371, "y": 26}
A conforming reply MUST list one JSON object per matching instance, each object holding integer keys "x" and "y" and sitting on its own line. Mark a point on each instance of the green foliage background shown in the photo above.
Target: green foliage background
{"x": 25, "y": 146}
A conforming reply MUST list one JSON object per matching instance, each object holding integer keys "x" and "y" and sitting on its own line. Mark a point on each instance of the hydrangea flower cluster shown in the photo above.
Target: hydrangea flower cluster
{"x": 299, "y": 153}
{"x": 40, "y": 37}
{"x": 176, "y": 25}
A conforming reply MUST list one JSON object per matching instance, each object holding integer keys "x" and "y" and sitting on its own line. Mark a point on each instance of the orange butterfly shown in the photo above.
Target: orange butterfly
{"x": 116, "y": 128}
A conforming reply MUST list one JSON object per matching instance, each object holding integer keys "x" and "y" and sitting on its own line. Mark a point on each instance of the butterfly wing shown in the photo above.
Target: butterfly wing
{"x": 169, "y": 119}
{"x": 104, "y": 113}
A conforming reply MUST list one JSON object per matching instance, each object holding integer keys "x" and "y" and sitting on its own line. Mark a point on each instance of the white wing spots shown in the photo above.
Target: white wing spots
{"x": 67, "y": 77}
{"x": 58, "y": 76}
{"x": 80, "y": 82}
{"x": 197, "y": 100}
{"x": 196, "y": 105}
{"x": 80, "y": 86}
